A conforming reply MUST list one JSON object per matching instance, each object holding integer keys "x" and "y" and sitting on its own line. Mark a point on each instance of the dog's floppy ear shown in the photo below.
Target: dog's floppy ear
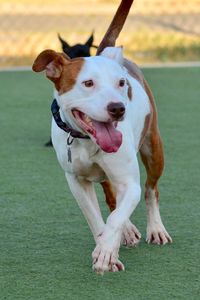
{"x": 52, "y": 62}
{"x": 115, "y": 53}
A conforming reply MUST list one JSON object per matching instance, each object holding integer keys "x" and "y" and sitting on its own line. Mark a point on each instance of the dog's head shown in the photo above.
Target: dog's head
{"x": 77, "y": 50}
{"x": 93, "y": 92}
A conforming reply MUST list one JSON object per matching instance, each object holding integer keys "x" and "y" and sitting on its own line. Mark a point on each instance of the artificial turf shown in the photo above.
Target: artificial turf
{"x": 45, "y": 243}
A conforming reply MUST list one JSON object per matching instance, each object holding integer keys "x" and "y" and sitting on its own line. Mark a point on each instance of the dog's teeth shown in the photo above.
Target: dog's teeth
{"x": 87, "y": 119}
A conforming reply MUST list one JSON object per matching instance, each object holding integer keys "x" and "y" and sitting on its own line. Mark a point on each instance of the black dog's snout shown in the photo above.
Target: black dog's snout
{"x": 116, "y": 110}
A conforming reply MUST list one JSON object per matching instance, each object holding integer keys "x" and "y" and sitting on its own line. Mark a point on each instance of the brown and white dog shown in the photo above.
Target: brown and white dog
{"x": 106, "y": 99}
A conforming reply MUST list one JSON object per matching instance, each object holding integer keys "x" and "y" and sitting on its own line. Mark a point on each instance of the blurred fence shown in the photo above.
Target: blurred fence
{"x": 155, "y": 31}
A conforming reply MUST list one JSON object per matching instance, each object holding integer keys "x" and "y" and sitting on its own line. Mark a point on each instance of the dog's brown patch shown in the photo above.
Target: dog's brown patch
{"x": 145, "y": 129}
{"x": 130, "y": 94}
{"x": 134, "y": 71}
{"x": 151, "y": 150}
{"x": 59, "y": 68}
{"x": 69, "y": 75}
{"x": 110, "y": 195}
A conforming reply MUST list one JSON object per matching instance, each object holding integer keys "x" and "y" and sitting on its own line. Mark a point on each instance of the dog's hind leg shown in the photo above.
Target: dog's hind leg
{"x": 109, "y": 195}
{"x": 131, "y": 235}
{"x": 153, "y": 159}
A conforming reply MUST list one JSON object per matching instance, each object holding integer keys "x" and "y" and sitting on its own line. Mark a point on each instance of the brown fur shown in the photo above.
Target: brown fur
{"x": 59, "y": 68}
{"x": 130, "y": 93}
{"x": 145, "y": 129}
{"x": 134, "y": 71}
{"x": 115, "y": 26}
{"x": 69, "y": 75}
{"x": 110, "y": 195}
{"x": 154, "y": 163}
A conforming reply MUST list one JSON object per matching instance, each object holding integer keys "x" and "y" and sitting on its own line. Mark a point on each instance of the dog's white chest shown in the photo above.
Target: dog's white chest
{"x": 82, "y": 164}
{"x": 84, "y": 167}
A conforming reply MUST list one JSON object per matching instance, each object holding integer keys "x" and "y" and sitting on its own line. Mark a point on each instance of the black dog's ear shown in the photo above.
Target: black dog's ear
{"x": 90, "y": 40}
{"x": 65, "y": 45}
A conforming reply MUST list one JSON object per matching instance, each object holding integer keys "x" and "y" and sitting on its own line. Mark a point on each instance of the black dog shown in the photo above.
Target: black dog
{"x": 78, "y": 50}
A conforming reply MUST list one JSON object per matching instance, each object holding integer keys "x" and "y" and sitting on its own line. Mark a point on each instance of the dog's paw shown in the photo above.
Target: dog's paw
{"x": 117, "y": 266}
{"x": 158, "y": 235}
{"x": 104, "y": 261}
{"x": 131, "y": 235}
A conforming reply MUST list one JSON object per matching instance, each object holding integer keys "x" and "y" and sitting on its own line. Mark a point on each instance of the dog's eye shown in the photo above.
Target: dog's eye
{"x": 88, "y": 83}
{"x": 122, "y": 82}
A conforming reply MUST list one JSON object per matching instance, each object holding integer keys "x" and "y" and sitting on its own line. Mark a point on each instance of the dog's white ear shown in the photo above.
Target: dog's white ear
{"x": 115, "y": 53}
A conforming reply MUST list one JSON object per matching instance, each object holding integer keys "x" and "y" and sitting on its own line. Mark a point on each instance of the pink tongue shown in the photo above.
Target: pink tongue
{"x": 107, "y": 136}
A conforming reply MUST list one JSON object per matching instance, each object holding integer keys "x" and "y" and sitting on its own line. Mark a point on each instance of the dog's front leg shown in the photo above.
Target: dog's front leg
{"x": 105, "y": 255}
{"x": 85, "y": 195}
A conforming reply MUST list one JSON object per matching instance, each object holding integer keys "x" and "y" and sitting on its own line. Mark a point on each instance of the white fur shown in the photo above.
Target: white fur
{"x": 156, "y": 231}
{"x": 115, "y": 53}
{"x": 90, "y": 164}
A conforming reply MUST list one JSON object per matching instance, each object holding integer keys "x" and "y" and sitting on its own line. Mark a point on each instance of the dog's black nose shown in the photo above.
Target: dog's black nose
{"x": 116, "y": 110}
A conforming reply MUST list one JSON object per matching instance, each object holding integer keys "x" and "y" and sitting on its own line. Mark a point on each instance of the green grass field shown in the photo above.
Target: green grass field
{"x": 45, "y": 243}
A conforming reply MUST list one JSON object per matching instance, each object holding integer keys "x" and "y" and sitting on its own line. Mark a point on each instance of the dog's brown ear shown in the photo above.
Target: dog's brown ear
{"x": 50, "y": 61}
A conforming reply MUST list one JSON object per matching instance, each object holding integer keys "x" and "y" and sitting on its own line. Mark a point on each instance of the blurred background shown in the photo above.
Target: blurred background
{"x": 155, "y": 31}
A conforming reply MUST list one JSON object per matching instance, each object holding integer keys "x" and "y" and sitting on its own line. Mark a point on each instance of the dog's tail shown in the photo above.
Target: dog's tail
{"x": 116, "y": 26}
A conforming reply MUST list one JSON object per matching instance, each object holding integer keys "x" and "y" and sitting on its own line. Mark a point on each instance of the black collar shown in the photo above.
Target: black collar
{"x": 65, "y": 126}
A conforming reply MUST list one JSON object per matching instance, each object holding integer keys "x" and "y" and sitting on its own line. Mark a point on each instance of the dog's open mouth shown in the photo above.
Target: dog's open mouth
{"x": 105, "y": 133}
